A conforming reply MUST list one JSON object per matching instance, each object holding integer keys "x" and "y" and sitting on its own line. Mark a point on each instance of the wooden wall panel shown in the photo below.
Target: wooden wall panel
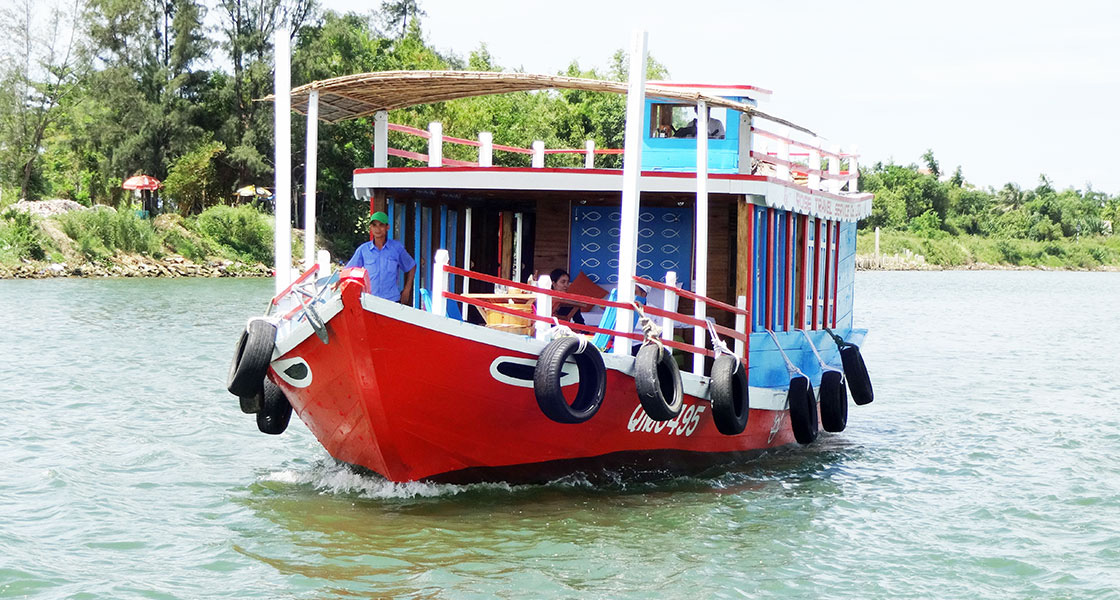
{"x": 553, "y": 224}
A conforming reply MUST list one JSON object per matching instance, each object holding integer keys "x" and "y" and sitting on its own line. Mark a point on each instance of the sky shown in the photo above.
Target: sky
{"x": 1008, "y": 91}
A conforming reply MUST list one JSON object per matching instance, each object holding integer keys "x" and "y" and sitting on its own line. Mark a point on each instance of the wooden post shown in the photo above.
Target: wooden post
{"x": 466, "y": 255}
{"x": 538, "y": 154}
{"x": 380, "y": 139}
{"x": 746, "y": 141}
{"x": 784, "y": 172}
{"x": 435, "y": 144}
{"x": 814, "y": 165}
{"x": 853, "y": 170}
{"x": 486, "y": 150}
{"x": 543, "y": 307}
{"x": 507, "y": 245}
{"x": 834, "y": 170}
{"x": 589, "y": 157}
{"x": 439, "y": 283}
{"x": 518, "y": 218}
{"x": 670, "y": 305}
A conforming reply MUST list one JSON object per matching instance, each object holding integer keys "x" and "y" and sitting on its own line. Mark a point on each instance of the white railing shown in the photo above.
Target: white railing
{"x": 781, "y": 157}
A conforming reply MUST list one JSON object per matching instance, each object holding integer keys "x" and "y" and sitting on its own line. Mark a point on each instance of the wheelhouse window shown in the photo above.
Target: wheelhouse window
{"x": 679, "y": 121}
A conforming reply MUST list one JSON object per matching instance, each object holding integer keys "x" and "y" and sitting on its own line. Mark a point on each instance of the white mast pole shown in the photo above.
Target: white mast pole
{"x": 701, "y": 261}
{"x": 310, "y": 177}
{"x": 631, "y": 174}
{"x": 283, "y": 159}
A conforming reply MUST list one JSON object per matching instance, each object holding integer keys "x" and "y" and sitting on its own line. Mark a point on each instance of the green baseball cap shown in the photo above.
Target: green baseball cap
{"x": 379, "y": 216}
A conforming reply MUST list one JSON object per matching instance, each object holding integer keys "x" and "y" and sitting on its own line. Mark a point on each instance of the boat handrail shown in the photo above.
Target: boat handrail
{"x": 427, "y": 135}
{"x": 739, "y": 336}
{"x": 308, "y": 274}
{"x": 583, "y": 328}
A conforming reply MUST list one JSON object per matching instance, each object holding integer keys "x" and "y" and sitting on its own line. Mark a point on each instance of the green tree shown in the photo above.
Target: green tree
{"x": 42, "y": 67}
{"x": 192, "y": 183}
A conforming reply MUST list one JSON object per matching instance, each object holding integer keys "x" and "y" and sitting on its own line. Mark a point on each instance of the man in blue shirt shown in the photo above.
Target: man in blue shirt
{"x": 382, "y": 259}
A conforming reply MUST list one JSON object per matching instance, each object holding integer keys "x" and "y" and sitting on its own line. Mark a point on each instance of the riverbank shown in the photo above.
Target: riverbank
{"x": 135, "y": 266}
{"x": 61, "y": 238}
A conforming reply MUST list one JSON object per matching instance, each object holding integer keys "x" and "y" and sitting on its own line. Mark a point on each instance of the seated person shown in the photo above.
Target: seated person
{"x": 715, "y": 129}
{"x": 561, "y": 310}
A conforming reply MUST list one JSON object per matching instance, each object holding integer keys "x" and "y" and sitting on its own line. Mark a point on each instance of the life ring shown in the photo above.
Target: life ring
{"x": 251, "y": 359}
{"x": 275, "y": 410}
{"x": 834, "y": 402}
{"x": 859, "y": 383}
{"x": 802, "y": 410}
{"x": 730, "y": 400}
{"x": 658, "y": 379}
{"x": 592, "y": 380}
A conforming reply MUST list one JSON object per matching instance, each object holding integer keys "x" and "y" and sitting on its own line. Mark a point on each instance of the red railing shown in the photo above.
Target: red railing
{"x": 583, "y": 328}
{"x": 474, "y": 143}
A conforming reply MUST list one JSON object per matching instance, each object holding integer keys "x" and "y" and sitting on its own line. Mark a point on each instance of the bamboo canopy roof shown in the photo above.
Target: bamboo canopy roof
{"x": 353, "y": 96}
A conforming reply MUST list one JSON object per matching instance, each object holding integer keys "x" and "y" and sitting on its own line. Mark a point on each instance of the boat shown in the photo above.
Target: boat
{"x": 742, "y": 236}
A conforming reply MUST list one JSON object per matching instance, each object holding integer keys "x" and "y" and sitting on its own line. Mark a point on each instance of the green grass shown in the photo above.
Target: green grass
{"x": 20, "y": 238}
{"x": 240, "y": 234}
{"x": 100, "y": 233}
{"x": 1086, "y": 253}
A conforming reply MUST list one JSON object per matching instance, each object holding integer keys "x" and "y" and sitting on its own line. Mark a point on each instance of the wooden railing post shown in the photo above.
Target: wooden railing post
{"x": 784, "y": 172}
{"x": 381, "y": 139}
{"x": 741, "y": 327}
{"x": 538, "y": 154}
{"x": 815, "y": 165}
{"x": 834, "y": 170}
{"x": 544, "y": 307}
{"x": 435, "y": 144}
{"x": 589, "y": 157}
{"x": 853, "y": 170}
{"x": 439, "y": 283}
{"x": 670, "y": 305}
{"x": 486, "y": 149}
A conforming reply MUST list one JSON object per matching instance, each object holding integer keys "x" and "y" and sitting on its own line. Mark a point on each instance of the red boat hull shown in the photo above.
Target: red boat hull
{"x": 415, "y": 403}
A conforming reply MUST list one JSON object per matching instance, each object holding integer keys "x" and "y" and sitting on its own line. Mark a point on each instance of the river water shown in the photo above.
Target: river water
{"x": 987, "y": 467}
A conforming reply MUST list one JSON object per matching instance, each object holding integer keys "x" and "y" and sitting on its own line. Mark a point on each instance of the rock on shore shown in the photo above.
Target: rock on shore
{"x": 133, "y": 265}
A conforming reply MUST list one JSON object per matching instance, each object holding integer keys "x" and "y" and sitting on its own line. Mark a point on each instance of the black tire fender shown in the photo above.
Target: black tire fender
{"x": 658, "y": 379}
{"x": 834, "y": 402}
{"x": 275, "y": 410}
{"x": 802, "y": 410}
{"x": 550, "y": 369}
{"x": 730, "y": 397}
{"x": 855, "y": 372}
{"x": 251, "y": 359}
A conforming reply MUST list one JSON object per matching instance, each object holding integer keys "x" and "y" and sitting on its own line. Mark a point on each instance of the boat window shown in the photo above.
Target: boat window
{"x": 679, "y": 121}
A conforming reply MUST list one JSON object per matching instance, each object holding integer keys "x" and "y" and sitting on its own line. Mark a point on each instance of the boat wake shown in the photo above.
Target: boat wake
{"x": 336, "y": 478}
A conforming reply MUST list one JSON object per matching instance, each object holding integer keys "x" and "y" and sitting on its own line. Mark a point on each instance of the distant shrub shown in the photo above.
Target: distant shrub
{"x": 102, "y": 232}
{"x": 20, "y": 238}
{"x": 240, "y": 229}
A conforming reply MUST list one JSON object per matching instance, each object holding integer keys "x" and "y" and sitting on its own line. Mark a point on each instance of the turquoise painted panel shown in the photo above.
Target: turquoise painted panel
{"x": 768, "y": 368}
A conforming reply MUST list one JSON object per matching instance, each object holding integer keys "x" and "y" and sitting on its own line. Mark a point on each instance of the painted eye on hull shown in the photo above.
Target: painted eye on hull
{"x": 294, "y": 371}
{"x": 511, "y": 370}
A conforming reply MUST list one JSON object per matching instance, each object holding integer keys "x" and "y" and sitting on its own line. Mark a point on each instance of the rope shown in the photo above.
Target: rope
{"x": 560, "y": 331}
{"x": 651, "y": 330}
{"x": 824, "y": 366}
{"x": 718, "y": 344}
{"x": 793, "y": 370}
{"x": 840, "y": 343}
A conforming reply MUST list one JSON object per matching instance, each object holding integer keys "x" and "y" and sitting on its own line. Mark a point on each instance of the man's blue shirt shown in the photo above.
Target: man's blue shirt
{"x": 383, "y": 266}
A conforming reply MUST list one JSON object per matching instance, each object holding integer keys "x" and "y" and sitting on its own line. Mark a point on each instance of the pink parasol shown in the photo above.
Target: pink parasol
{"x": 141, "y": 182}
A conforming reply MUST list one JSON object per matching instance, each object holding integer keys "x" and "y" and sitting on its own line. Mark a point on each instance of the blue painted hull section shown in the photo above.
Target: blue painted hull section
{"x": 768, "y": 368}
